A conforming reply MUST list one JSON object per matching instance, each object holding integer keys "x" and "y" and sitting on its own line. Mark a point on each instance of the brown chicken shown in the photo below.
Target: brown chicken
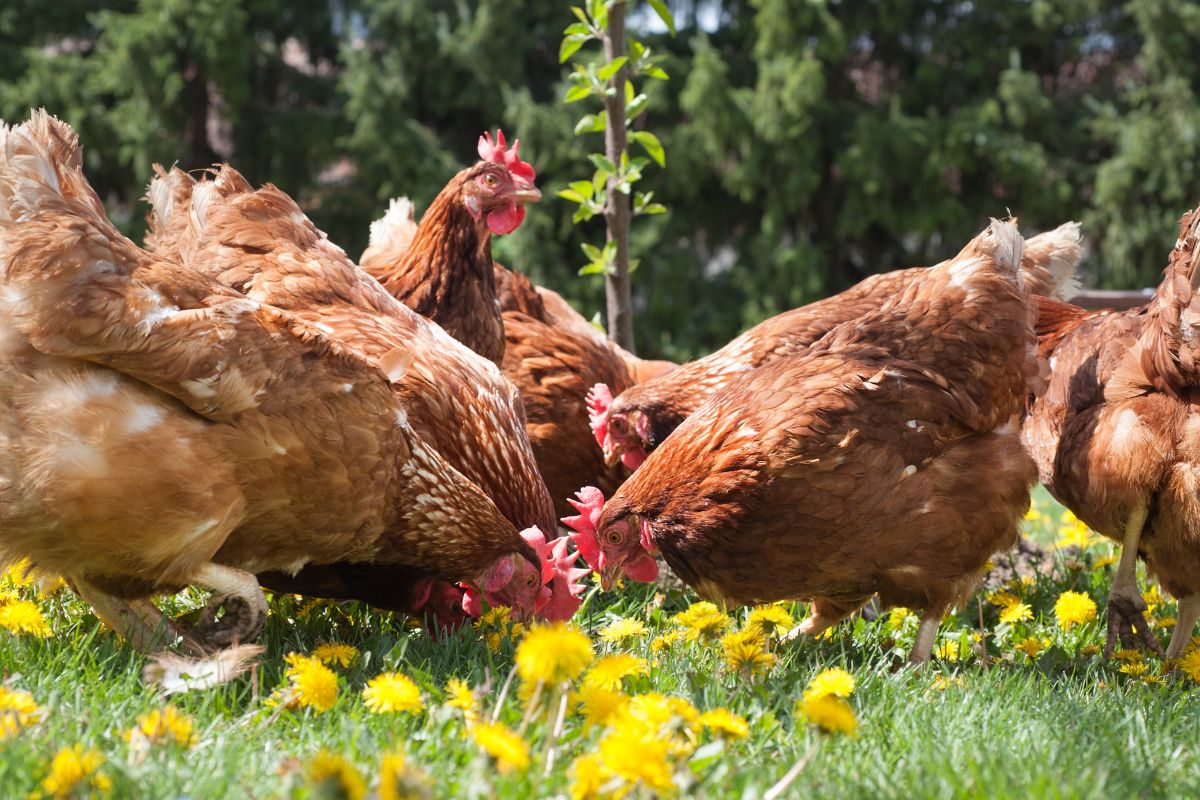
{"x": 260, "y": 243}
{"x": 161, "y": 430}
{"x": 1116, "y": 437}
{"x": 553, "y": 355}
{"x": 444, "y": 271}
{"x": 630, "y": 426}
{"x": 886, "y": 459}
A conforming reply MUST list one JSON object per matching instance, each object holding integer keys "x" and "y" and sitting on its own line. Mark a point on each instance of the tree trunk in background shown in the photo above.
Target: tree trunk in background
{"x": 617, "y": 215}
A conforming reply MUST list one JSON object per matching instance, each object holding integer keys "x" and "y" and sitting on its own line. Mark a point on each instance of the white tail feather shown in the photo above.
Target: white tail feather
{"x": 174, "y": 673}
{"x": 1060, "y": 251}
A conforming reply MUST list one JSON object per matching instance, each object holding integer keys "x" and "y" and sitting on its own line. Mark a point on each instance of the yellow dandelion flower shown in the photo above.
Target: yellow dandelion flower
{"x": 588, "y": 774}
{"x": 770, "y": 621}
{"x": 311, "y": 684}
{"x": 460, "y": 696}
{"x": 1153, "y": 598}
{"x": 599, "y": 705}
{"x": 834, "y": 681}
{"x": 1164, "y": 622}
{"x": 331, "y": 775}
{"x": 949, "y": 650}
{"x": 666, "y": 641}
{"x": 1104, "y": 561}
{"x": 1153, "y": 680}
{"x": 167, "y": 724}
{"x": 897, "y": 617}
{"x": 398, "y": 780}
{"x": 745, "y": 651}
{"x": 19, "y": 574}
{"x": 622, "y": 629}
{"x": 18, "y": 711}
{"x": 1135, "y": 668}
{"x": 1089, "y": 650}
{"x": 75, "y": 772}
{"x": 702, "y": 620}
{"x": 23, "y": 616}
{"x": 724, "y": 722}
{"x": 1031, "y": 646}
{"x": 1128, "y": 656}
{"x": 392, "y": 691}
{"x": 1033, "y": 515}
{"x": 1075, "y": 534}
{"x": 1002, "y": 598}
{"x": 609, "y": 672}
{"x": 659, "y": 710}
{"x": 334, "y": 653}
{"x": 494, "y": 617}
{"x": 1190, "y": 664}
{"x": 830, "y": 713}
{"x": 638, "y": 757}
{"x": 1016, "y": 612}
{"x": 553, "y": 653}
{"x": 510, "y": 750}
{"x": 941, "y": 682}
{"x": 1074, "y": 608}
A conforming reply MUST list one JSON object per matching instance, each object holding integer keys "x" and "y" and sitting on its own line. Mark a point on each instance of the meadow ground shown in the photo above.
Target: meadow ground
{"x": 1047, "y": 717}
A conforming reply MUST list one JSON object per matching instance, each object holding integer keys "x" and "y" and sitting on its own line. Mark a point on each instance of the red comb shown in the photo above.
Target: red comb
{"x": 599, "y": 400}
{"x": 589, "y": 505}
{"x": 537, "y": 540}
{"x": 499, "y": 153}
{"x": 566, "y": 586}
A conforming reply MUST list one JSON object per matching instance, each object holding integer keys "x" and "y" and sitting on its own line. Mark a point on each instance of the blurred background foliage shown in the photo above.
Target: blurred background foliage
{"x": 810, "y": 142}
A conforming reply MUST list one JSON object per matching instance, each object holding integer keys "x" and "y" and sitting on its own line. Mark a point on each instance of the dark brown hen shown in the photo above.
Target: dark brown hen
{"x": 887, "y": 458}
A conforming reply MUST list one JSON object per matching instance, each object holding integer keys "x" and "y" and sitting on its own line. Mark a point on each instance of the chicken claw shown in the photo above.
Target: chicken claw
{"x": 238, "y": 594}
{"x": 1127, "y": 622}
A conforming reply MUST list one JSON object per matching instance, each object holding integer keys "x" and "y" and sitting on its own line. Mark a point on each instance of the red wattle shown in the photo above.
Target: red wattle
{"x": 632, "y": 459}
{"x": 642, "y": 569}
{"x": 507, "y": 219}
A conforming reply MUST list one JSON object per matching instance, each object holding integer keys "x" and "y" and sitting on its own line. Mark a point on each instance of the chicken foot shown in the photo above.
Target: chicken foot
{"x": 236, "y": 592}
{"x": 1126, "y": 608}
{"x": 140, "y": 624}
{"x": 825, "y": 614}
{"x": 1189, "y": 612}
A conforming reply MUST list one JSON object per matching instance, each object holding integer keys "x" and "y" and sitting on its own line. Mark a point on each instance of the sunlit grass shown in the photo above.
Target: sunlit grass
{"x": 1045, "y": 717}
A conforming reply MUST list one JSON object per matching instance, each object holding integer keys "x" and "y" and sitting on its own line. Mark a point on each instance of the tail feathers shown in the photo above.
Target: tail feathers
{"x": 170, "y": 197}
{"x": 1001, "y": 242}
{"x": 391, "y": 236}
{"x": 41, "y": 165}
{"x": 1051, "y": 259}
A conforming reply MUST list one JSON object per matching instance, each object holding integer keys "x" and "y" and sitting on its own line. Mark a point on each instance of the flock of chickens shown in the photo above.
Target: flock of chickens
{"x": 238, "y": 405}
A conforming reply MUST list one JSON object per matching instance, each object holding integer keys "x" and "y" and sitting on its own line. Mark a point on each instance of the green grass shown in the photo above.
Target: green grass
{"x": 1065, "y": 724}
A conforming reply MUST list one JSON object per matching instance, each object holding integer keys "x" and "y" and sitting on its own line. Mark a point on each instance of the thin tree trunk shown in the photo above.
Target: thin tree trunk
{"x": 617, "y": 214}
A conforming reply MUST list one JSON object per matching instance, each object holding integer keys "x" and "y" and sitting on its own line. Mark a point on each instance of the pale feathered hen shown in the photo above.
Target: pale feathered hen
{"x": 260, "y": 243}
{"x": 160, "y": 430}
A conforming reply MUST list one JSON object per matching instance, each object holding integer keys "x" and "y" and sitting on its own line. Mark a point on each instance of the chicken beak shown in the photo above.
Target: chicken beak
{"x": 612, "y": 454}
{"x": 526, "y": 193}
{"x": 608, "y": 577}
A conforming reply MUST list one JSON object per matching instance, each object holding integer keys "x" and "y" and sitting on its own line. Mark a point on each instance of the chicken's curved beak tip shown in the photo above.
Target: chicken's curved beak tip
{"x": 608, "y": 578}
{"x": 611, "y": 455}
{"x": 526, "y": 193}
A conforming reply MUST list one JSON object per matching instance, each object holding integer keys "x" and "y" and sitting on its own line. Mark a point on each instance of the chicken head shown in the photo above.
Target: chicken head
{"x": 496, "y": 189}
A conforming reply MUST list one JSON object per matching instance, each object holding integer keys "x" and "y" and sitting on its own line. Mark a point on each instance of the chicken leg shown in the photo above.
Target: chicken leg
{"x": 238, "y": 593}
{"x": 1189, "y": 612}
{"x": 142, "y": 625}
{"x": 1126, "y": 608}
{"x": 922, "y": 648}
{"x": 825, "y": 614}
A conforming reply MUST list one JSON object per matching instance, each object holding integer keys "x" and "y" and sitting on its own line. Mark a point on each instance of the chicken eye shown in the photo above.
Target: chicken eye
{"x": 530, "y": 581}
{"x": 614, "y": 536}
{"x": 490, "y": 181}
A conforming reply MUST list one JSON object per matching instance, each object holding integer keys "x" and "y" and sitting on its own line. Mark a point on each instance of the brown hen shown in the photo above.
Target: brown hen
{"x": 639, "y": 419}
{"x": 444, "y": 270}
{"x": 1116, "y": 436}
{"x": 887, "y": 458}
{"x": 252, "y": 440}
{"x": 553, "y": 355}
